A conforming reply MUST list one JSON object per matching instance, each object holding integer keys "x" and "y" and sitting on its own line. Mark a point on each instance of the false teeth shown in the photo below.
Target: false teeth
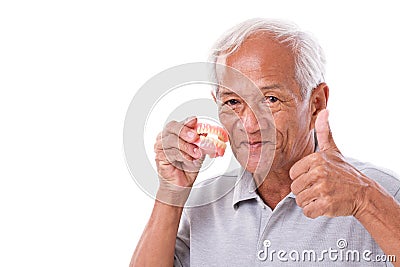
{"x": 211, "y": 139}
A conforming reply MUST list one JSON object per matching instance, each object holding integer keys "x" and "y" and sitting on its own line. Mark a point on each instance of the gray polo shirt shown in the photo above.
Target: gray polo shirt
{"x": 240, "y": 230}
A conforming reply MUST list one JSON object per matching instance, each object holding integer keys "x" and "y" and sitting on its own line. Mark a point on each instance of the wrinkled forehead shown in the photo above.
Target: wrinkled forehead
{"x": 260, "y": 57}
{"x": 232, "y": 81}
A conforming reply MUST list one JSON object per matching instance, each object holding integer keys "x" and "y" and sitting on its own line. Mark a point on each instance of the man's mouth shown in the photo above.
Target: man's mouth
{"x": 253, "y": 145}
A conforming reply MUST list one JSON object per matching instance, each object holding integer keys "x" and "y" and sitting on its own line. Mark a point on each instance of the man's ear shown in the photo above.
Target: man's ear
{"x": 318, "y": 101}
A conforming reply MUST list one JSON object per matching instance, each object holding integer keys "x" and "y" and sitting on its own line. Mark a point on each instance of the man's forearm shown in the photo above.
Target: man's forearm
{"x": 157, "y": 245}
{"x": 381, "y": 217}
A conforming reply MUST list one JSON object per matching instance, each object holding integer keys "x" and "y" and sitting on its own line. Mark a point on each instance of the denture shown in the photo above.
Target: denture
{"x": 212, "y": 139}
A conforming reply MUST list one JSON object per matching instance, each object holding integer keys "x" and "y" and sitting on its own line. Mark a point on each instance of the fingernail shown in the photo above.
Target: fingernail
{"x": 190, "y": 119}
{"x": 190, "y": 134}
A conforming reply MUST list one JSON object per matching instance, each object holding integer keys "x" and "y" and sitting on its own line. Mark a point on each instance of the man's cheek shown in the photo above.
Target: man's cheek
{"x": 286, "y": 127}
{"x": 225, "y": 118}
{"x": 280, "y": 138}
{"x": 230, "y": 122}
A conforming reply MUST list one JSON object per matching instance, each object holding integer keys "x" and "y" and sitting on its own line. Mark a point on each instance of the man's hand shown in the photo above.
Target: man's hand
{"x": 178, "y": 159}
{"x": 324, "y": 183}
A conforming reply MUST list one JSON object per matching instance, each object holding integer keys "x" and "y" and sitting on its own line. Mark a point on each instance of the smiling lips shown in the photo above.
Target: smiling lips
{"x": 211, "y": 139}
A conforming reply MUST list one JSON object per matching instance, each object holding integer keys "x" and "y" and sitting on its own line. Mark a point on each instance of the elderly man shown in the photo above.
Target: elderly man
{"x": 306, "y": 205}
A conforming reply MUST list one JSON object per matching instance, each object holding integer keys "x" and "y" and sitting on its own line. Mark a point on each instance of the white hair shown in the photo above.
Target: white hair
{"x": 308, "y": 54}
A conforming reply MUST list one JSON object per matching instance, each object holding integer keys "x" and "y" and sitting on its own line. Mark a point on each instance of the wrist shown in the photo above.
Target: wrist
{"x": 170, "y": 210}
{"x": 373, "y": 194}
{"x": 171, "y": 194}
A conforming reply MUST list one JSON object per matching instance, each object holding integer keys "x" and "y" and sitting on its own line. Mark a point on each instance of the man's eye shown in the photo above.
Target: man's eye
{"x": 271, "y": 99}
{"x": 231, "y": 102}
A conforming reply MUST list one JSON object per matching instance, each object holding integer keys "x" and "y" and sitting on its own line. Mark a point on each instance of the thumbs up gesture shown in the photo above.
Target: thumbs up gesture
{"x": 324, "y": 183}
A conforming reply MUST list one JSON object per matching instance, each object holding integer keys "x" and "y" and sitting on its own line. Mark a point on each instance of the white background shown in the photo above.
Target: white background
{"x": 69, "y": 69}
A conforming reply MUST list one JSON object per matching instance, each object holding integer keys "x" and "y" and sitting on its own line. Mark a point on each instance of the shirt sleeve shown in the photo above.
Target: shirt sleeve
{"x": 389, "y": 180}
{"x": 182, "y": 245}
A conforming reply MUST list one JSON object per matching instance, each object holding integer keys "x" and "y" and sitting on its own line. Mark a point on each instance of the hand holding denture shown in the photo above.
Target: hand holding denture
{"x": 181, "y": 147}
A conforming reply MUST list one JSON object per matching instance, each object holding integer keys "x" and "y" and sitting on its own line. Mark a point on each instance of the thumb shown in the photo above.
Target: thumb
{"x": 323, "y": 131}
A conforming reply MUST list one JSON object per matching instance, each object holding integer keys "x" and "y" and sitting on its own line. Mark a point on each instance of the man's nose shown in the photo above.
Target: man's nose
{"x": 250, "y": 121}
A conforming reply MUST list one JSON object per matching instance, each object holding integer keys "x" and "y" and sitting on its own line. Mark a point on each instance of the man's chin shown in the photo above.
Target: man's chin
{"x": 255, "y": 163}
{"x": 259, "y": 167}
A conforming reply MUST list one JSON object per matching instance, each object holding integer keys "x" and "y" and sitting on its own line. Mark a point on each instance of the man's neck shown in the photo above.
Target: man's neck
{"x": 276, "y": 186}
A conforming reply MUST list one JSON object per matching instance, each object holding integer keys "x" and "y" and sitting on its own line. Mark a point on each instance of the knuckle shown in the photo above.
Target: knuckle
{"x": 292, "y": 171}
{"x": 184, "y": 156}
{"x": 188, "y": 158}
{"x": 312, "y": 211}
{"x": 320, "y": 188}
{"x": 315, "y": 156}
{"x": 182, "y": 132}
{"x": 321, "y": 172}
{"x": 293, "y": 187}
{"x": 158, "y": 146}
{"x": 183, "y": 146}
{"x": 299, "y": 201}
{"x": 174, "y": 127}
{"x": 189, "y": 148}
{"x": 168, "y": 141}
{"x": 307, "y": 212}
{"x": 168, "y": 157}
{"x": 170, "y": 125}
{"x": 323, "y": 185}
{"x": 157, "y": 143}
{"x": 324, "y": 171}
{"x": 158, "y": 160}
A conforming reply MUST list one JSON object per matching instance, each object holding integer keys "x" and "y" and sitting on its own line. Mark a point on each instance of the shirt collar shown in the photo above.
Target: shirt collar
{"x": 245, "y": 188}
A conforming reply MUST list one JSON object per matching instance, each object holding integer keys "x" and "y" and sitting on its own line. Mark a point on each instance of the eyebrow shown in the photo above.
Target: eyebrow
{"x": 225, "y": 93}
{"x": 270, "y": 87}
{"x": 267, "y": 87}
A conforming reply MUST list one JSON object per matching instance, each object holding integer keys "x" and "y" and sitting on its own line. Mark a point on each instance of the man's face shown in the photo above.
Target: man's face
{"x": 249, "y": 113}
